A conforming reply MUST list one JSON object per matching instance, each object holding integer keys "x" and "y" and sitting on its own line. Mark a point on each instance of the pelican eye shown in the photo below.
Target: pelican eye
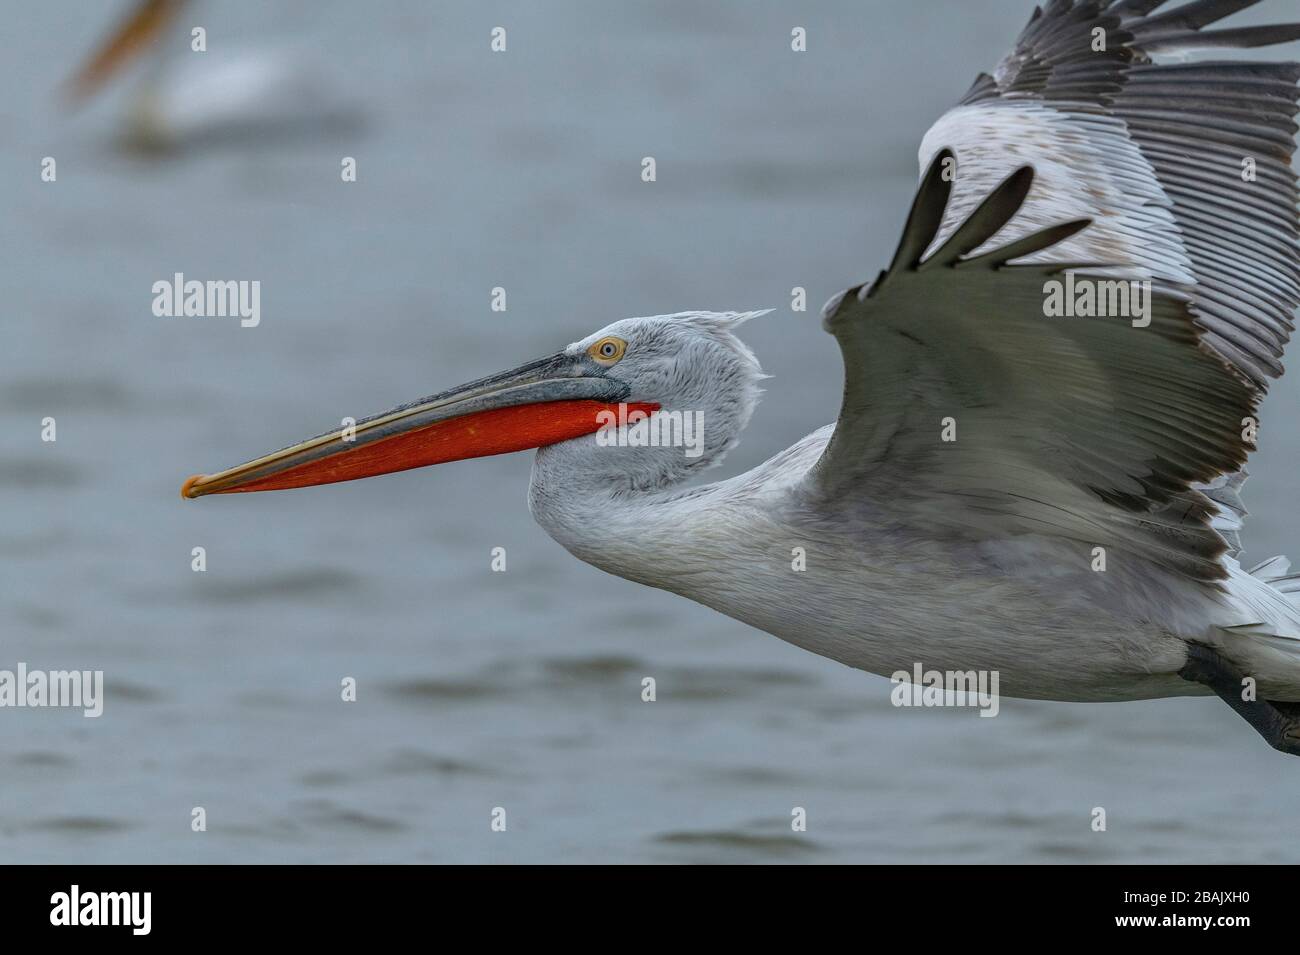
{"x": 608, "y": 350}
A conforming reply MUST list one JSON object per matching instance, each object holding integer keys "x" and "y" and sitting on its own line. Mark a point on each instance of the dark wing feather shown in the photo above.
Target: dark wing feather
{"x": 1194, "y": 123}
{"x": 1091, "y": 429}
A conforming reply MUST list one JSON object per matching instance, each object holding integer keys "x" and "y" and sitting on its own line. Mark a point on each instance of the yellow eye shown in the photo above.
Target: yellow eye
{"x": 608, "y": 350}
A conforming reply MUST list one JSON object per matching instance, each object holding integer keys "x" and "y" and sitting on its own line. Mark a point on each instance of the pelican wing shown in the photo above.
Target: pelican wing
{"x": 1089, "y": 428}
{"x": 1185, "y": 168}
{"x": 969, "y": 405}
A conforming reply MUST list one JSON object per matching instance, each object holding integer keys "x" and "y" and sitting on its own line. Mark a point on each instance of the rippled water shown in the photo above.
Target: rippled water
{"x": 476, "y": 689}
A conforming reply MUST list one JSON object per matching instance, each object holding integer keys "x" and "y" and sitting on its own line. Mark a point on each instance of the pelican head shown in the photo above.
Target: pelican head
{"x": 590, "y": 407}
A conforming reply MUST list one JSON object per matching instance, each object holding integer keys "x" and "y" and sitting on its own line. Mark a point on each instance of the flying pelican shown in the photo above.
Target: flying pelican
{"x": 987, "y": 451}
{"x": 186, "y": 96}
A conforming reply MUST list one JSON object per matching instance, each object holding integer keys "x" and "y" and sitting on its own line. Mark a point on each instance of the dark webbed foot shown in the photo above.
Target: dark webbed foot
{"x": 1290, "y": 713}
{"x": 1278, "y": 723}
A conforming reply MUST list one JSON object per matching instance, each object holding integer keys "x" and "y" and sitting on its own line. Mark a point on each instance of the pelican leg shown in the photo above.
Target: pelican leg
{"x": 1278, "y": 723}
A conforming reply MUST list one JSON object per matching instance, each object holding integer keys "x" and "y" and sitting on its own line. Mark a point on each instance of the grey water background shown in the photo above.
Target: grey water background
{"x": 517, "y": 689}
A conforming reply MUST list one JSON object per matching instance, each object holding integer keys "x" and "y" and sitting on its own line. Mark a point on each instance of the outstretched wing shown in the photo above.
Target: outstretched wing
{"x": 1087, "y": 428}
{"x": 1184, "y": 168}
{"x": 968, "y": 406}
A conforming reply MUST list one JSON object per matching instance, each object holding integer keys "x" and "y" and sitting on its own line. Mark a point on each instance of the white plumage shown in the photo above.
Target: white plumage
{"x": 985, "y": 563}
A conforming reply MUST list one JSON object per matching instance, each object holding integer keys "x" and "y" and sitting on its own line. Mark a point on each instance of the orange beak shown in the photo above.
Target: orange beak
{"x": 541, "y": 403}
{"x": 133, "y": 35}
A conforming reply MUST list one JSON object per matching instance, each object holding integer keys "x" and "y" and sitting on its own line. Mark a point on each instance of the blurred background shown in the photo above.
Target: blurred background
{"x": 477, "y": 689}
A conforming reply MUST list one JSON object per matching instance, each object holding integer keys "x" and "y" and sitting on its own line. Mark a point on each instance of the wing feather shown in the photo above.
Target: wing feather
{"x": 1095, "y": 429}
{"x": 1177, "y": 173}
{"x": 1179, "y": 137}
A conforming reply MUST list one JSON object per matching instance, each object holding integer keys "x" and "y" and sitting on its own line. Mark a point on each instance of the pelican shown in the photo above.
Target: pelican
{"x": 1050, "y": 497}
{"x": 186, "y": 96}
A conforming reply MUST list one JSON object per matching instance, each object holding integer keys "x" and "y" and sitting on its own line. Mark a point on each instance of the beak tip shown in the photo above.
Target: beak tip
{"x": 187, "y": 489}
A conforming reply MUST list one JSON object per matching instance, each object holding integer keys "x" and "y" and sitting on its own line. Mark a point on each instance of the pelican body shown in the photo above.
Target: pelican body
{"x": 184, "y": 97}
{"x": 1051, "y": 498}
